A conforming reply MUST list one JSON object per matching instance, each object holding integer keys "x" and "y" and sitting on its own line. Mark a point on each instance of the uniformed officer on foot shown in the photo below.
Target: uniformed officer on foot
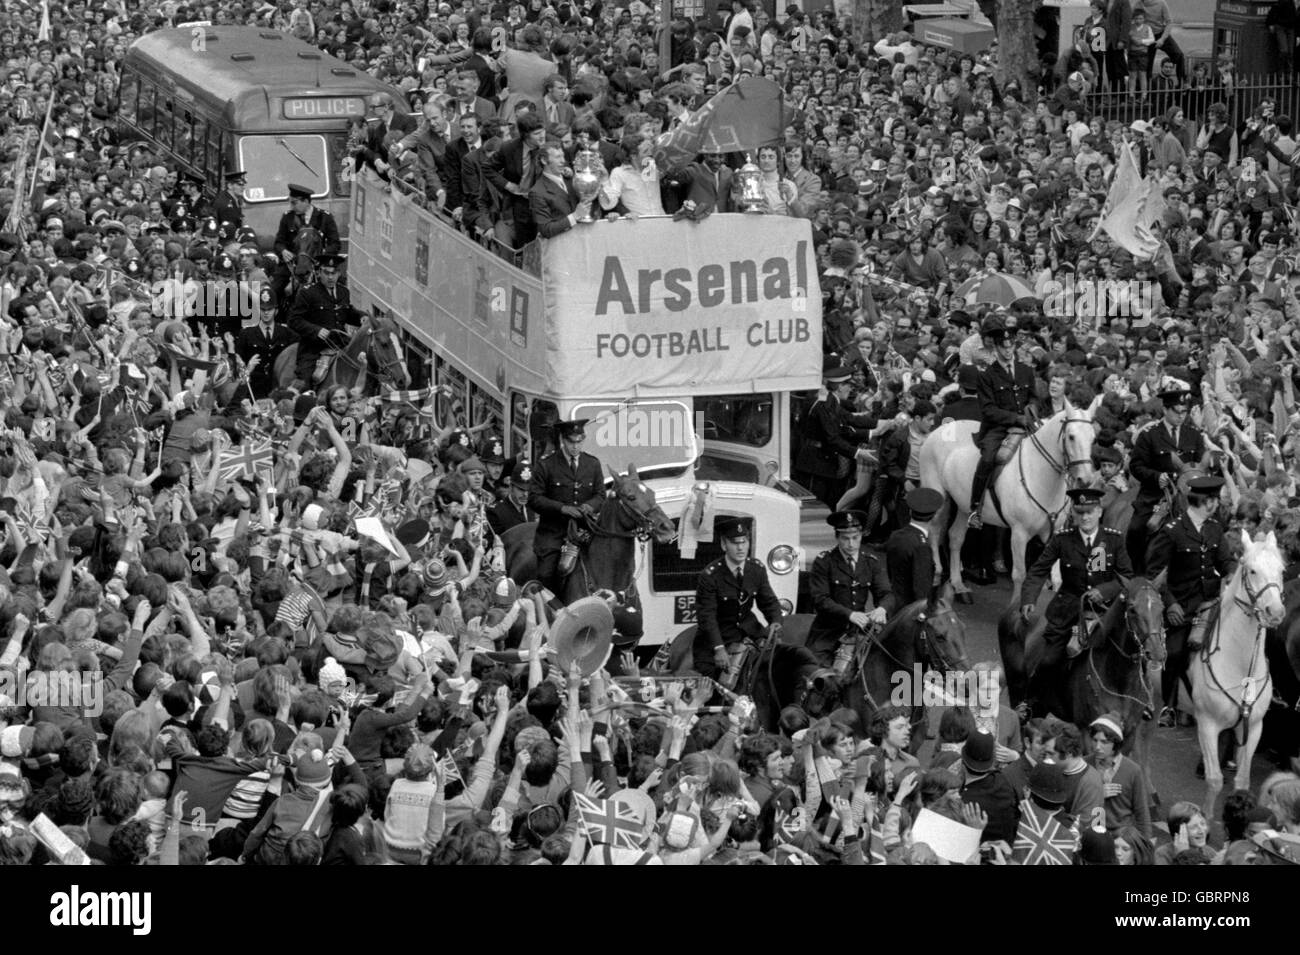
{"x": 1161, "y": 452}
{"x": 908, "y": 558}
{"x": 1194, "y": 549}
{"x": 850, "y": 591}
{"x": 726, "y": 596}
{"x": 567, "y": 484}
{"x": 1094, "y": 566}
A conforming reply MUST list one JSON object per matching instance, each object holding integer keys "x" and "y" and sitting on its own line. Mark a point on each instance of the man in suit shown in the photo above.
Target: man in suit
{"x": 466, "y": 141}
{"x": 482, "y": 204}
{"x": 1005, "y": 388}
{"x": 229, "y": 205}
{"x": 1094, "y": 568}
{"x": 1194, "y": 548}
{"x": 553, "y": 201}
{"x": 907, "y": 552}
{"x": 850, "y": 591}
{"x": 826, "y": 452}
{"x": 1161, "y": 452}
{"x": 468, "y": 102}
{"x": 265, "y": 341}
{"x": 707, "y": 185}
{"x": 566, "y": 485}
{"x": 301, "y": 215}
{"x": 513, "y": 170}
{"x": 556, "y": 108}
{"x": 321, "y": 314}
{"x": 511, "y": 508}
{"x": 587, "y": 135}
{"x": 728, "y": 591}
{"x": 432, "y": 152}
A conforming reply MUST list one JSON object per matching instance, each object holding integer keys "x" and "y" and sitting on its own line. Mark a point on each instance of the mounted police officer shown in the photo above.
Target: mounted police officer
{"x": 567, "y": 485}
{"x": 1094, "y": 567}
{"x": 1161, "y": 452}
{"x": 850, "y": 590}
{"x": 320, "y": 316}
{"x": 726, "y": 596}
{"x": 1195, "y": 551}
{"x": 301, "y": 215}
{"x": 1004, "y": 390}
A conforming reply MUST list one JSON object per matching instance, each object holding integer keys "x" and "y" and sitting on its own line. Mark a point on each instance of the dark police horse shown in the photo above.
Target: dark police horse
{"x": 627, "y": 517}
{"x": 373, "y": 354}
{"x": 1119, "y": 670}
{"x": 889, "y": 665}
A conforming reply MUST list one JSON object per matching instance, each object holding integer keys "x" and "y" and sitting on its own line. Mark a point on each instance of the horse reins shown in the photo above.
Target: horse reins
{"x": 1057, "y": 467}
{"x": 1246, "y": 704}
{"x": 1141, "y": 656}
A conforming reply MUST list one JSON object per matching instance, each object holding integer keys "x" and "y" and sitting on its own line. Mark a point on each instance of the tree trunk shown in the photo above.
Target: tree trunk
{"x": 1017, "y": 53}
{"x": 875, "y": 19}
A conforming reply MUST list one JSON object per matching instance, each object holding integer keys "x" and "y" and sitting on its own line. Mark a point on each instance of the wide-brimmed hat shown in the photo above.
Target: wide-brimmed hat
{"x": 583, "y": 632}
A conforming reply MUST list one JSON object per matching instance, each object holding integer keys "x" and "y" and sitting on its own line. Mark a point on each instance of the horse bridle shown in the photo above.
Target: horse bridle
{"x": 643, "y": 524}
{"x": 935, "y": 660}
{"x": 1141, "y": 656}
{"x": 1253, "y": 607}
{"x": 1063, "y": 469}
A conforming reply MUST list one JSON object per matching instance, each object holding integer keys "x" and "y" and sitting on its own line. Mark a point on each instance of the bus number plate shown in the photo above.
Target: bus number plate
{"x": 684, "y": 609}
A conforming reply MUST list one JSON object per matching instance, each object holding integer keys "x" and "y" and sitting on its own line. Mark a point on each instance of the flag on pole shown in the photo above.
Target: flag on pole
{"x": 246, "y": 460}
{"x": 610, "y": 823}
{"x": 1125, "y": 218}
{"x": 1041, "y": 839}
{"x": 43, "y": 34}
{"x": 741, "y": 118}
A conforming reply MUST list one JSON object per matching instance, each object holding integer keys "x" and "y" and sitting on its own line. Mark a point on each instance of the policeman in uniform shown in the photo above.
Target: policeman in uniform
{"x": 265, "y": 340}
{"x": 511, "y": 508}
{"x": 1161, "y": 452}
{"x": 908, "y": 557}
{"x": 1094, "y": 566}
{"x": 728, "y": 591}
{"x": 567, "y": 485}
{"x": 1194, "y": 549}
{"x": 1004, "y": 390}
{"x": 302, "y": 214}
{"x": 192, "y": 196}
{"x": 229, "y": 205}
{"x": 829, "y": 434}
{"x": 850, "y": 590}
{"x": 320, "y": 316}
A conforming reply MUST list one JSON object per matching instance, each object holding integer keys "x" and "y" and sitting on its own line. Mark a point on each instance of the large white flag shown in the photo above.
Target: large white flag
{"x": 1127, "y": 217}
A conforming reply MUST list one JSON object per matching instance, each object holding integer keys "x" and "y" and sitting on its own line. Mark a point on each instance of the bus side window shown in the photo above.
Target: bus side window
{"x": 215, "y": 165}
{"x": 163, "y": 125}
{"x": 518, "y": 445}
{"x": 338, "y": 153}
{"x": 541, "y": 426}
{"x": 484, "y": 406}
{"x": 184, "y": 141}
{"x": 127, "y": 93}
{"x": 199, "y": 150}
{"x": 147, "y": 112}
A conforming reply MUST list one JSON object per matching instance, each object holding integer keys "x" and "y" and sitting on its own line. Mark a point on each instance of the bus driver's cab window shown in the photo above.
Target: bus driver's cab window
{"x": 272, "y": 162}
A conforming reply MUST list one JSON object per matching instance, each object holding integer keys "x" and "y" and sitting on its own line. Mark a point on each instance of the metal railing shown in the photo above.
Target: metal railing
{"x": 1241, "y": 98}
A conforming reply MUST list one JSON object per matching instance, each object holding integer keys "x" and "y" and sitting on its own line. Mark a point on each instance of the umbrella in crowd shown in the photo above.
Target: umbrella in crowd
{"x": 993, "y": 288}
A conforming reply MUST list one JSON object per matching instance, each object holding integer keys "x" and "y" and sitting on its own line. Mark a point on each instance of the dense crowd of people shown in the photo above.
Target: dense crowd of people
{"x": 313, "y": 655}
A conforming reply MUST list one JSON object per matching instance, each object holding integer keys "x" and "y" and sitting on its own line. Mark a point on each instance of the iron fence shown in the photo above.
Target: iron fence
{"x": 1241, "y": 97}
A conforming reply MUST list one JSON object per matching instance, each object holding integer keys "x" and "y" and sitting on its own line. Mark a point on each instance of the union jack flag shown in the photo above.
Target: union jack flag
{"x": 1041, "y": 839}
{"x": 790, "y": 826}
{"x": 609, "y": 823}
{"x": 246, "y": 460}
{"x": 34, "y": 527}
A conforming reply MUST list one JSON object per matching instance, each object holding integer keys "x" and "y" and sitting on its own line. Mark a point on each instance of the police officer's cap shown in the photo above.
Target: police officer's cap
{"x": 223, "y": 263}
{"x": 968, "y": 377}
{"x": 572, "y": 430}
{"x": 299, "y": 192}
{"x": 1176, "y": 395}
{"x": 837, "y": 374}
{"x": 331, "y": 261}
{"x": 1086, "y": 496}
{"x": 236, "y": 175}
{"x": 1205, "y": 485}
{"x": 923, "y": 502}
{"x": 847, "y": 520}
{"x": 522, "y": 473}
{"x": 732, "y": 528}
{"x": 492, "y": 450}
{"x": 994, "y": 328}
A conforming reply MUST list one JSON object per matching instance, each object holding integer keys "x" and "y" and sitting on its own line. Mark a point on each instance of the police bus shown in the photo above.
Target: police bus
{"x": 682, "y": 343}
{"x": 210, "y": 99}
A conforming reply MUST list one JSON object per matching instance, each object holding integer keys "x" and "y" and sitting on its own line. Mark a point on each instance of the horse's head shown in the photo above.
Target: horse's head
{"x": 1261, "y": 571}
{"x": 943, "y": 636}
{"x": 1077, "y": 430}
{"x": 637, "y": 501}
{"x": 1144, "y": 616}
{"x": 821, "y": 693}
{"x": 385, "y": 351}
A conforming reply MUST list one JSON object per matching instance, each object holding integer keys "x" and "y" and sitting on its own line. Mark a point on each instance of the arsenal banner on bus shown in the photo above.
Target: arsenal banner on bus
{"x": 727, "y": 305}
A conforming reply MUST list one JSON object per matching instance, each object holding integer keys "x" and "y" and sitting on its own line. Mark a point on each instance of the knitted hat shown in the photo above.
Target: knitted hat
{"x": 312, "y": 769}
{"x": 311, "y": 517}
{"x": 1110, "y": 722}
{"x": 16, "y": 741}
{"x": 331, "y": 674}
{"x": 505, "y": 593}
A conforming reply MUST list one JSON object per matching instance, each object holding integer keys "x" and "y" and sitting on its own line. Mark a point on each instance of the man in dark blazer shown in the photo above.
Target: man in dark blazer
{"x": 482, "y": 203}
{"x": 566, "y": 485}
{"x": 728, "y": 591}
{"x": 553, "y": 201}
{"x": 587, "y": 135}
{"x": 850, "y": 591}
{"x": 228, "y": 207}
{"x": 1161, "y": 452}
{"x": 513, "y": 170}
{"x": 265, "y": 340}
{"x": 1005, "y": 388}
{"x": 908, "y": 557}
{"x": 556, "y": 108}
{"x": 707, "y": 186}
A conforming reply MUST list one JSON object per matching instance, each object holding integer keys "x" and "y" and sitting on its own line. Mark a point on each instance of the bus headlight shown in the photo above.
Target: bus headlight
{"x": 782, "y": 559}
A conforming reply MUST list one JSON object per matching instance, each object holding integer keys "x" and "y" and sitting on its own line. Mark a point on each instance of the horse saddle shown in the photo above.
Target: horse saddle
{"x": 575, "y": 539}
{"x": 1009, "y": 445}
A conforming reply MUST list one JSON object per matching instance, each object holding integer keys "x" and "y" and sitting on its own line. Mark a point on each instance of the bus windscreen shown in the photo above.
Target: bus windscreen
{"x": 272, "y": 162}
